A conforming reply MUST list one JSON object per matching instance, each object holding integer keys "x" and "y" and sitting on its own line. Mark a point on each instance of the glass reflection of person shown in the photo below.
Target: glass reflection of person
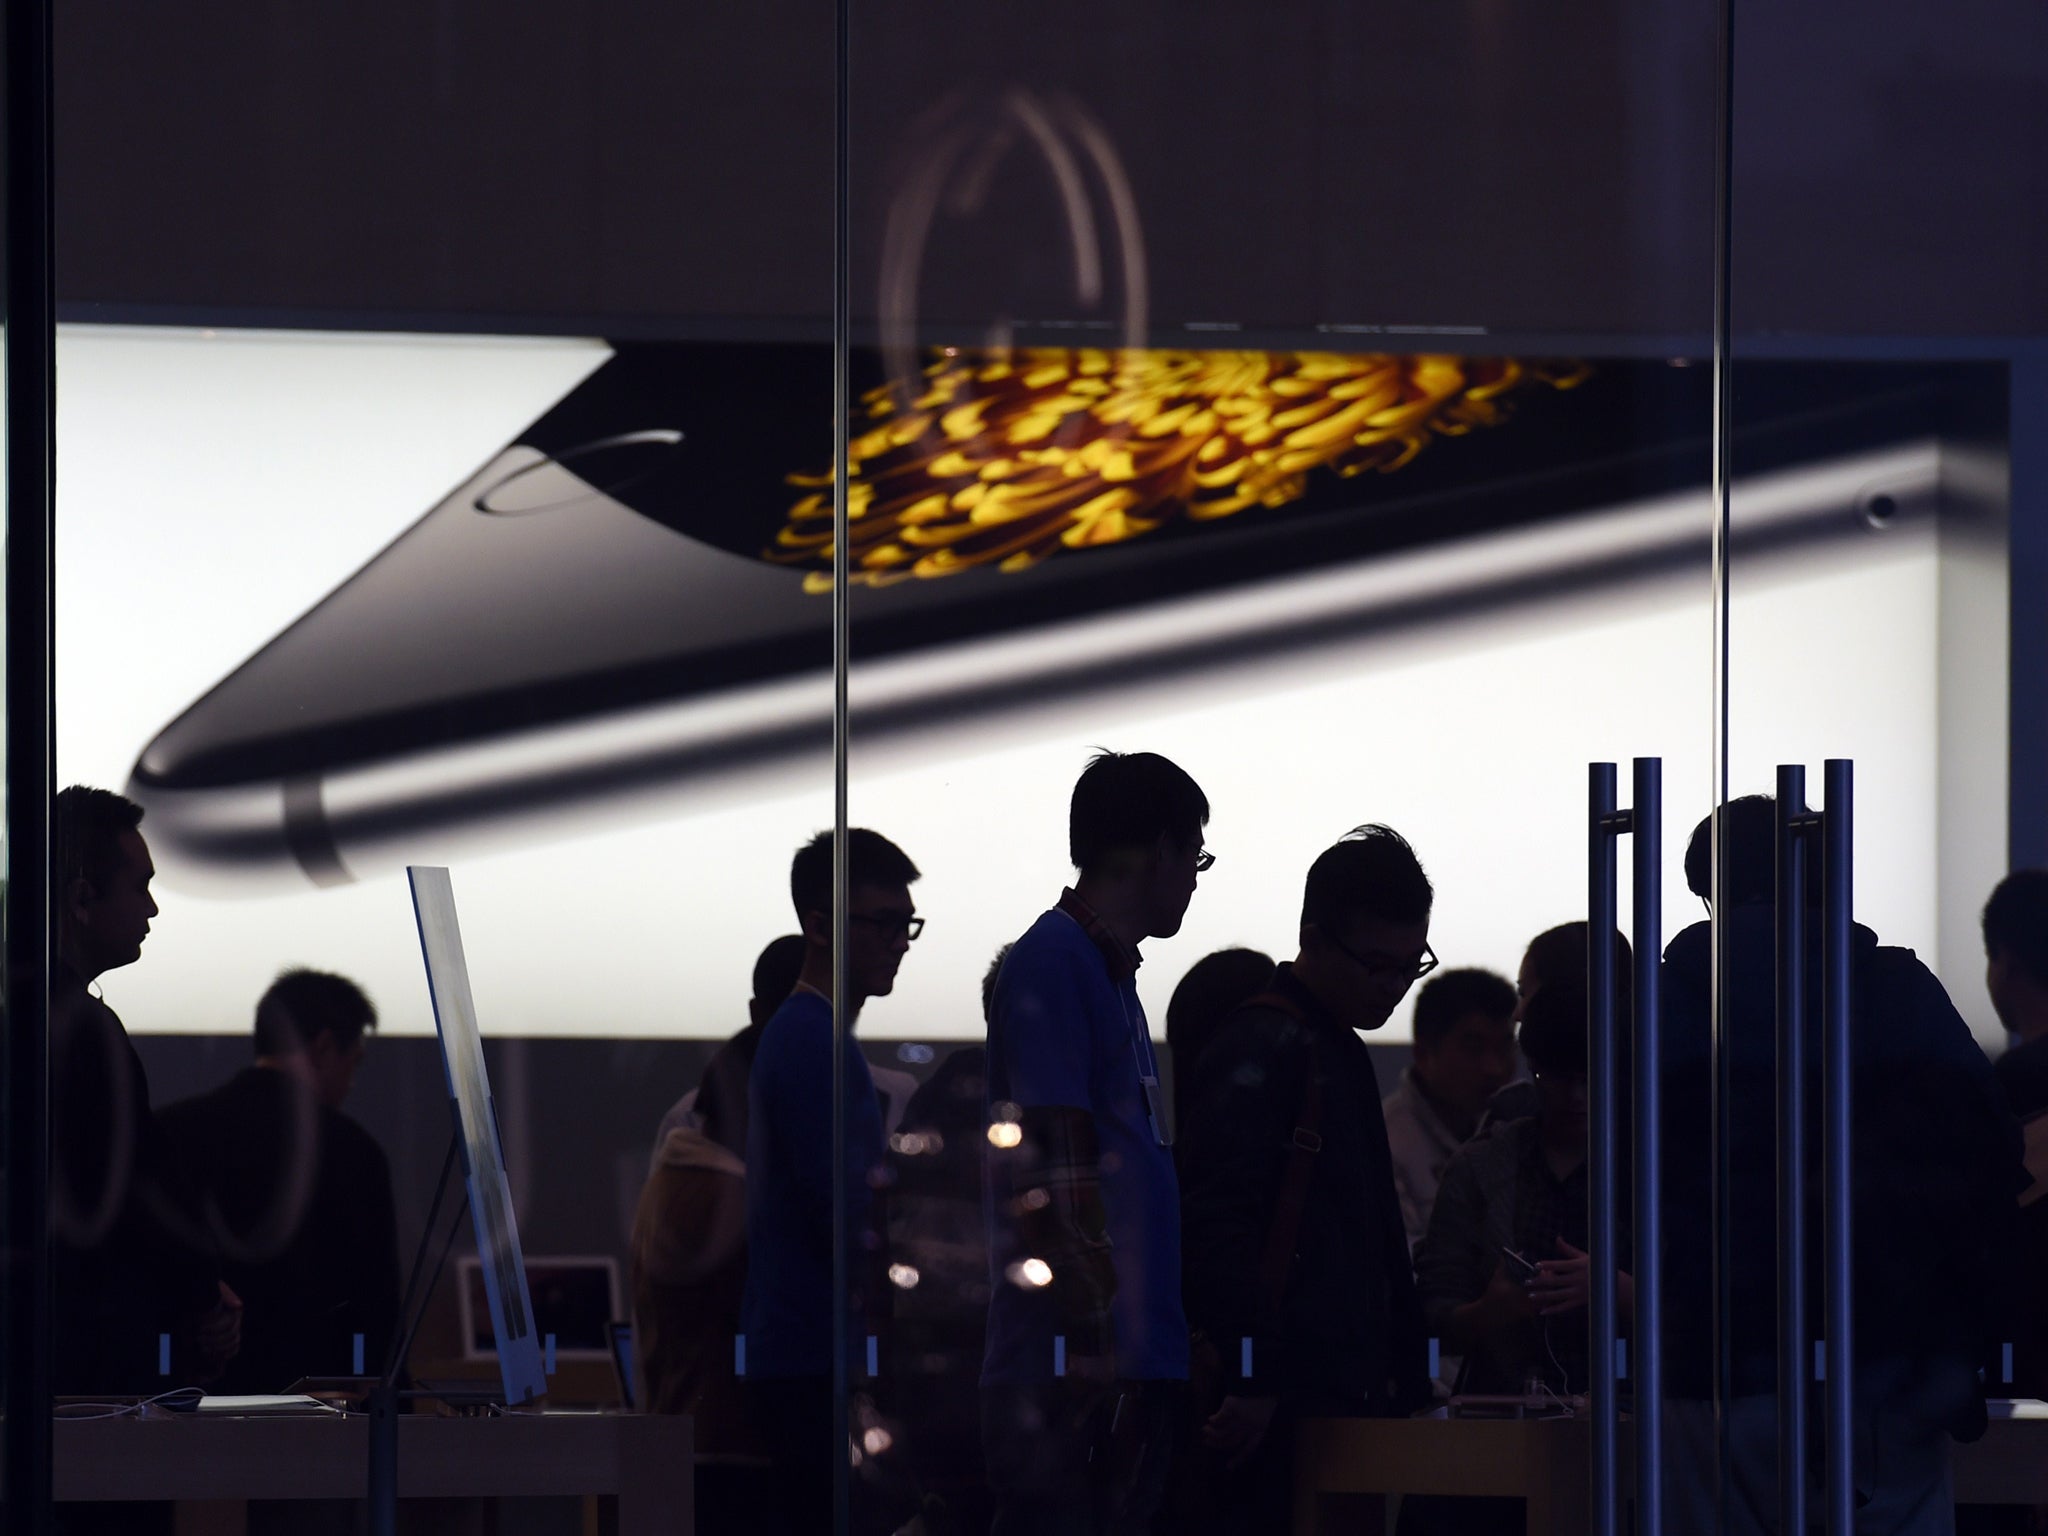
{"x": 1087, "y": 1340}
{"x": 130, "y": 1261}
{"x": 788, "y": 1306}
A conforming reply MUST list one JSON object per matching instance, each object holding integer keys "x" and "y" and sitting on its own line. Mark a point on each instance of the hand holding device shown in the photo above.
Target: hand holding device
{"x": 1562, "y": 1285}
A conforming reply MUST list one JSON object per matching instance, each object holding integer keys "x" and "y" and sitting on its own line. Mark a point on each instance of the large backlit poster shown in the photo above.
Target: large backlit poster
{"x": 551, "y": 612}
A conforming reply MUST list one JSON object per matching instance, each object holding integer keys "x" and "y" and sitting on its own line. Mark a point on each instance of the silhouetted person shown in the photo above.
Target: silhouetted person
{"x": 1464, "y": 1055}
{"x": 297, "y": 1194}
{"x": 1210, "y": 993}
{"x": 1087, "y": 1339}
{"x": 718, "y": 1104}
{"x": 1936, "y": 1170}
{"x": 2016, "y": 976}
{"x": 789, "y": 1304}
{"x": 131, "y": 1269}
{"x": 130, "y": 1259}
{"x": 1292, "y": 1230}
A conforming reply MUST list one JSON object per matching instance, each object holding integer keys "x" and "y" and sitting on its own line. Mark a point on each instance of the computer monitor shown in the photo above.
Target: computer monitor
{"x": 476, "y": 1116}
{"x": 575, "y": 1299}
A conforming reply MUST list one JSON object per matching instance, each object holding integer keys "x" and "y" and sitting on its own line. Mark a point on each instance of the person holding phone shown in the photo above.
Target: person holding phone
{"x": 1087, "y": 1339}
{"x": 1503, "y": 1272}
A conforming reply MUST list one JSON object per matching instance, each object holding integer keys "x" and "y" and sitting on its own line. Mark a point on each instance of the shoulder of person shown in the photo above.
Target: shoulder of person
{"x": 1500, "y": 1142}
{"x": 353, "y": 1137}
{"x": 1053, "y": 952}
{"x": 215, "y": 1109}
{"x": 1261, "y": 1036}
{"x": 802, "y": 1022}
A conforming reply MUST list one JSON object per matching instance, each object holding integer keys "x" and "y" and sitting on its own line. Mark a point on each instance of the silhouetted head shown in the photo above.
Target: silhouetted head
{"x": 1751, "y": 853}
{"x": 103, "y": 873}
{"x": 775, "y": 972}
{"x": 881, "y": 919}
{"x": 1135, "y": 823}
{"x": 988, "y": 984}
{"x": 313, "y": 1023}
{"x": 1365, "y": 925}
{"x": 1213, "y": 989}
{"x": 1559, "y": 955}
{"x": 1465, "y": 1037}
{"x": 2016, "y": 951}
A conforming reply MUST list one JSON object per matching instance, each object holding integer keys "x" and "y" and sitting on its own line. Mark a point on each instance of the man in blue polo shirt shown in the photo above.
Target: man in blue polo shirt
{"x": 1087, "y": 1342}
{"x": 786, "y": 1316}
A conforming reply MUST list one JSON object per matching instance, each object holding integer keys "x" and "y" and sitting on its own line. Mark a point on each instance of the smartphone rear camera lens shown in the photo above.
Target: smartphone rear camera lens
{"x": 608, "y": 467}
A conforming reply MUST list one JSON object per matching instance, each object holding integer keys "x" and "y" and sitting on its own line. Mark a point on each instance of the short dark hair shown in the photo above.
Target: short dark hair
{"x": 1553, "y": 1037}
{"x": 1752, "y": 872}
{"x": 1450, "y": 997}
{"x": 1557, "y": 957}
{"x": 86, "y": 828}
{"x": 777, "y": 968}
{"x": 1130, "y": 800}
{"x": 988, "y": 984}
{"x": 303, "y": 1004}
{"x": 1371, "y": 872}
{"x": 871, "y": 859}
{"x": 1215, "y": 987}
{"x": 2016, "y": 922}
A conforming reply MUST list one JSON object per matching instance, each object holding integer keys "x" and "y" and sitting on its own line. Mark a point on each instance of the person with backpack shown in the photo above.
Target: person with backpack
{"x": 1295, "y": 1259}
{"x": 1936, "y": 1170}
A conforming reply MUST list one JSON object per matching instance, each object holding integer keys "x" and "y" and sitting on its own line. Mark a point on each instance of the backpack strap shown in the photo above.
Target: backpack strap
{"x": 1305, "y": 1143}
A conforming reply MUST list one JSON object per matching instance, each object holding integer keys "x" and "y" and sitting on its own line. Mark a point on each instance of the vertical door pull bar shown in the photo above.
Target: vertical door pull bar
{"x": 1794, "y": 823}
{"x": 1803, "y": 834}
{"x": 1605, "y": 823}
{"x": 1838, "y": 839}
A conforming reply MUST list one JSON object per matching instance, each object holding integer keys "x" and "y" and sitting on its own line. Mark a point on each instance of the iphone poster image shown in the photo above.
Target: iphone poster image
{"x": 218, "y": 488}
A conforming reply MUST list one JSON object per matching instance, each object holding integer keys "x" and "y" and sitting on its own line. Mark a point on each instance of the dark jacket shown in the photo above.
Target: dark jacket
{"x": 1935, "y": 1160}
{"x": 299, "y": 1199}
{"x": 130, "y": 1260}
{"x": 1348, "y": 1332}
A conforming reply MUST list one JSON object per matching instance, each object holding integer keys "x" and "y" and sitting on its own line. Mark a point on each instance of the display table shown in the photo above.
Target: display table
{"x": 2010, "y": 1464}
{"x": 1345, "y": 1468}
{"x": 638, "y": 1466}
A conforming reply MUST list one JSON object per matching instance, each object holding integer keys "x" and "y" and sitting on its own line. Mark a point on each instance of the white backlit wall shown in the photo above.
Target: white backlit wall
{"x": 212, "y": 488}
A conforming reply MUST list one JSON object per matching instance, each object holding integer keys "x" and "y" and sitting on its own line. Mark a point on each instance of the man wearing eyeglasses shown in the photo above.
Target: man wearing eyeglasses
{"x": 1087, "y": 1342}
{"x": 1296, "y": 1258}
{"x": 787, "y": 1313}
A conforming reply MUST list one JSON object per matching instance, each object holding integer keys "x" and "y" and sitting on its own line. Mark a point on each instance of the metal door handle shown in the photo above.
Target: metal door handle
{"x": 1606, "y": 823}
{"x": 1798, "y": 828}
